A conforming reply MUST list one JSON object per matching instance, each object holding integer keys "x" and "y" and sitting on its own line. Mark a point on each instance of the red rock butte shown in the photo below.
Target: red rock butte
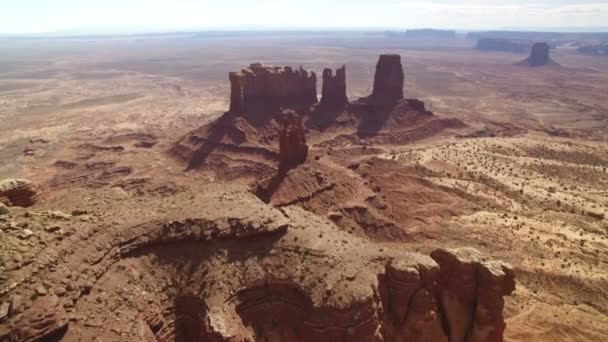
{"x": 266, "y": 87}
{"x": 388, "y": 80}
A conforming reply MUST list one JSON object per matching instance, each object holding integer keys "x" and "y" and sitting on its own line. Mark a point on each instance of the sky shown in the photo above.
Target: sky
{"x": 50, "y": 16}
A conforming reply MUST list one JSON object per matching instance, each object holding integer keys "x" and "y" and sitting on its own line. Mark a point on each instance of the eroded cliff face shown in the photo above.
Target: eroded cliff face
{"x": 264, "y": 88}
{"x": 245, "y": 271}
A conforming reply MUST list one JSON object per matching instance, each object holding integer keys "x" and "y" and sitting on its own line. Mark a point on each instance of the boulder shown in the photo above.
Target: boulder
{"x": 19, "y": 193}
{"x": 388, "y": 81}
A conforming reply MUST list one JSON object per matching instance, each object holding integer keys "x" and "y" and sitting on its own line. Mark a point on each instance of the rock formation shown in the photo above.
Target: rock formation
{"x": 292, "y": 141}
{"x": 471, "y": 293}
{"x": 281, "y": 285}
{"x": 539, "y": 56}
{"x": 334, "y": 88}
{"x": 236, "y": 93}
{"x": 273, "y": 87}
{"x": 19, "y": 192}
{"x": 259, "y": 94}
{"x": 388, "y": 80}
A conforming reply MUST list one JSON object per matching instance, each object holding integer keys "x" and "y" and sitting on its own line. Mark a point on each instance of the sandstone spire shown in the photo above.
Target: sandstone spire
{"x": 334, "y": 88}
{"x": 292, "y": 142}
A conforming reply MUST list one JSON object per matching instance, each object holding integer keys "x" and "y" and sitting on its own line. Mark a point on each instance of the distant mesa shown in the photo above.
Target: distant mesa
{"x": 539, "y": 56}
{"x": 549, "y": 37}
{"x": 504, "y": 45}
{"x": 593, "y": 49}
{"x": 430, "y": 34}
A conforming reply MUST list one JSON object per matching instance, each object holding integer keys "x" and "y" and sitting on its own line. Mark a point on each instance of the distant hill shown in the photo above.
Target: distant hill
{"x": 430, "y": 34}
{"x": 539, "y": 36}
{"x": 594, "y": 49}
{"x": 504, "y": 44}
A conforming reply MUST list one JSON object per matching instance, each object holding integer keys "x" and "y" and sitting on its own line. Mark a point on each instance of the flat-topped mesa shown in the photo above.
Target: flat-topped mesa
{"x": 333, "y": 93}
{"x": 292, "y": 141}
{"x": 275, "y": 87}
{"x": 388, "y": 81}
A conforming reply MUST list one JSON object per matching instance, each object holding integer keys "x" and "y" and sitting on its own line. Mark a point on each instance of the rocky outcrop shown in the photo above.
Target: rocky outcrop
{"x": 292, "y": 141}
{"x": 504, "y": 45}
{"x": 254, "y": 273}
{"x": 388, "y": 80}
{"x": 470, "y": 291}
{"x": 19, "y": 193}
{"x": 539, "y": 56}
{"x": 334, "y": 88}
{"x": 262, "y": 86}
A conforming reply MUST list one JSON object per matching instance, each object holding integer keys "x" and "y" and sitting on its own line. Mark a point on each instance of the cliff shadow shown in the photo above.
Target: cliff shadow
{"x": 324, "y": 116}
{"x": 372, "y": 118}
{"x": 227, "y": 126}
{"x": 267, "y": 188}
{"x": 217, "y": 132}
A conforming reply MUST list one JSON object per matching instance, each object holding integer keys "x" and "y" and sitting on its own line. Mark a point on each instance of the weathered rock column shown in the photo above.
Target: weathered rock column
{"x": 388, "y": 81}
{"x": 334, "y": 88}
{"x": 292, "y": 142}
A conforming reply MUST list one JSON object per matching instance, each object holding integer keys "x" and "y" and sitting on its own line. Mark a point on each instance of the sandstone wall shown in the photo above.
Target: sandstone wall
{"x": 333, "y": 93}
{"x": 277, "y": 87}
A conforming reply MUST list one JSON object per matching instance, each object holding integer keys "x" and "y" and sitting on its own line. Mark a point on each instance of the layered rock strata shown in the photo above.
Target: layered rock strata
{"x": 277, "y": 87}
{"x": 249, "y": 272}
{"x": 19, "y": 192}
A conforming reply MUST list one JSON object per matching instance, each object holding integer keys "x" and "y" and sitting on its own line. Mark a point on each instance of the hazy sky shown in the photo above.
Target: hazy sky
{"x": 35, "y": 16}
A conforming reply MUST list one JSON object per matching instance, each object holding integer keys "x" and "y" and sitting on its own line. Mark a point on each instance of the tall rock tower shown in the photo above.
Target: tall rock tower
{"x": 388, "y": 81}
